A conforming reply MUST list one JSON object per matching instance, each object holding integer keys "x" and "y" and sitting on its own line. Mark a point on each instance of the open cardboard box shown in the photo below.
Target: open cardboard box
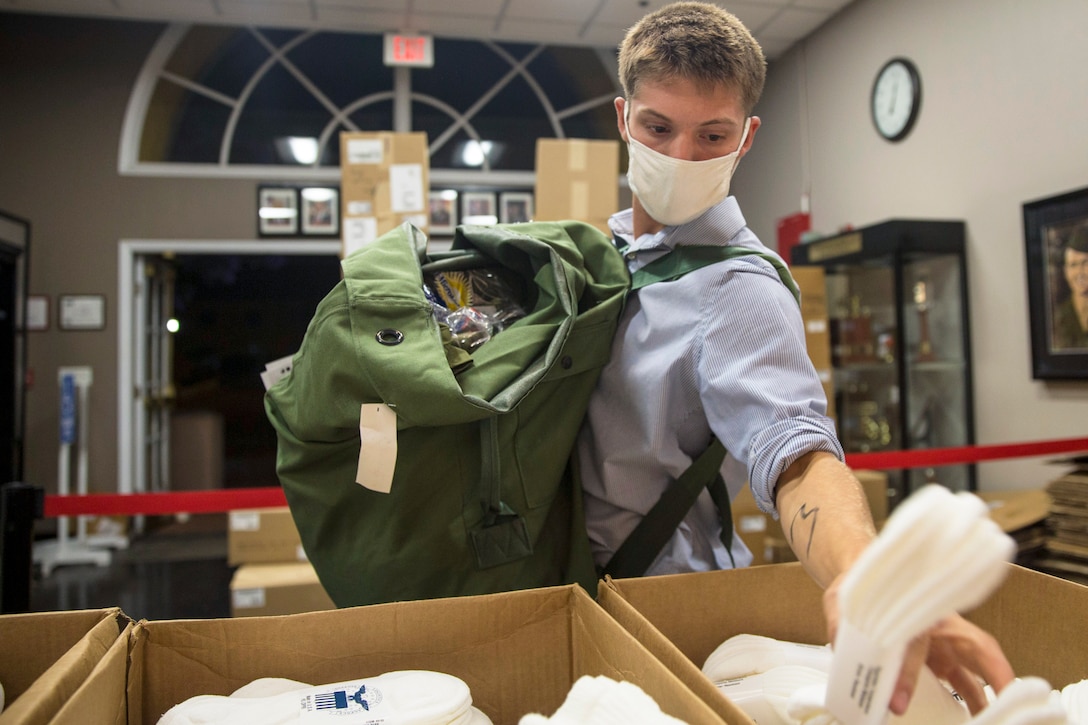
{"x": 1038, "y": 619}
{"x": 519, "y": 652}
{"x": 64, "y": 667}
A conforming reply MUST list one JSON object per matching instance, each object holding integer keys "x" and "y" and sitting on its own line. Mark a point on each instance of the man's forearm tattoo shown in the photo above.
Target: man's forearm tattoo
{"x": 803, "y": 514}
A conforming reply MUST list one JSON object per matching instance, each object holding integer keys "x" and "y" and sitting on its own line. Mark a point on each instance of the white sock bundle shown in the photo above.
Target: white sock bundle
{"x": 1074, "y": 698}
{"x": 744, "y": 655}
{"x": 604, "y": 701}
{"x": 408, "y": 697}
{"x": 939, "y": 553}
{"x": 765, "y": 696}
{"x": 1027, "y": 701}
{"x": 750, "y": 654}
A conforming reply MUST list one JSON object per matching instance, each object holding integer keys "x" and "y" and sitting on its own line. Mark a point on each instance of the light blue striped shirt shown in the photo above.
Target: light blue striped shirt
{"x": 720, "y": 351}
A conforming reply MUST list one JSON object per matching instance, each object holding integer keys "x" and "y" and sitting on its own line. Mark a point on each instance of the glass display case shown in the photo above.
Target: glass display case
{"x": 900, "y": 342}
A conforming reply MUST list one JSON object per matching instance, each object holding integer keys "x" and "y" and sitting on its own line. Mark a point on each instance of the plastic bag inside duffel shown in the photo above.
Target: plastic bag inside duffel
{"x": 481, "y": 498}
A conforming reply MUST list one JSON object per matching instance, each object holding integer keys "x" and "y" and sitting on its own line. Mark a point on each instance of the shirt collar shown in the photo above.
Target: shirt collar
{"x": 717, "y": 227}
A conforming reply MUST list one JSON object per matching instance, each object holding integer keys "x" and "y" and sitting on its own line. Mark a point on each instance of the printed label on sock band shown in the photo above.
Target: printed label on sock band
{"x": 862, "y": 677}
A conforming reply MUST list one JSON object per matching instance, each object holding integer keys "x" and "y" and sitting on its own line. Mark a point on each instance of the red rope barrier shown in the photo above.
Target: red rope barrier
{"x": 932, "y": 457}
{"x": 192, "y": 502}
{"x": 231, "y": 499}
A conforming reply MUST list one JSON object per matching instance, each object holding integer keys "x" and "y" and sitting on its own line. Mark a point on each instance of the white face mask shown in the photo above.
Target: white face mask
{"x": 675, "y": 191}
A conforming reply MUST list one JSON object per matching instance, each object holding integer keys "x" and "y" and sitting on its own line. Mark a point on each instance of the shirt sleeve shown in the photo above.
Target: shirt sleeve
{"x": 762, "y": 396}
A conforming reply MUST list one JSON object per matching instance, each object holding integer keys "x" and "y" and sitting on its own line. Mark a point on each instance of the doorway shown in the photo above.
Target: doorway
{"x": 198, "y": 323}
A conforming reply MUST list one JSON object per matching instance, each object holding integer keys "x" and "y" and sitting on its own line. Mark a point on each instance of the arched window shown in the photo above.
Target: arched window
{"x": 215, "y": 101}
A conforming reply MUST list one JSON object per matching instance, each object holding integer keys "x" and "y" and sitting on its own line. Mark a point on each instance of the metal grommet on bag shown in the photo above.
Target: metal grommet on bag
{"x": 389, "y": 336}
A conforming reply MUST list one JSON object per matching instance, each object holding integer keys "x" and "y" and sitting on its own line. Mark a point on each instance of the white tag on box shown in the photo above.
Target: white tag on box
{"x": 245, "y": 521}
{"x": 365, "y": 151}
{"x": 406, "y": 187}
{"x": 358, "y": 233}
{"x": 378, "y": 447}
{"x": 249, "y": 598}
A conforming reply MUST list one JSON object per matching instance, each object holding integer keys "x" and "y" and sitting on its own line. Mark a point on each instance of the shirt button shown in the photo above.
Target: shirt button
{"x": 630, "y": 256}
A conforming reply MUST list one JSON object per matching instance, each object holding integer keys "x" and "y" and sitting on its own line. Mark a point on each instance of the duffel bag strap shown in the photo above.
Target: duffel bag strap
{"x": 643, "y": 545}
{"x": 688, "y": 258}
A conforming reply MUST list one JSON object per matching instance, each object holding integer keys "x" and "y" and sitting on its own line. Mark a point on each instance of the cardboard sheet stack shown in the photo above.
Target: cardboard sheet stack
{"x": 1067, "y": 525}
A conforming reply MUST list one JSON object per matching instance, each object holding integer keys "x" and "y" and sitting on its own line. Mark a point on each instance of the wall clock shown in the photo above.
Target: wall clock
{"x": 896, "y": 98}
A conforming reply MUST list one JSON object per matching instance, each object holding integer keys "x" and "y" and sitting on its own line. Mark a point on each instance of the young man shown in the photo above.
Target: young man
{"x": 721, "y": 351}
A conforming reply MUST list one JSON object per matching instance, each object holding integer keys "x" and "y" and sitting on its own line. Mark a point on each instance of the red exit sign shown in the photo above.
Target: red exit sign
{"x": 411, "y": 50}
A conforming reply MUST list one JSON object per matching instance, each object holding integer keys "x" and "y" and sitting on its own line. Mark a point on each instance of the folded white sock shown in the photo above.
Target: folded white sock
{"x": 1026, "y": 701}
{"x": 269, "y": 687}
{"x": 1074, "y": 698}
{"x": 604, "y": 701}
{"x": 751, "y": 654}
{"x": 764, "y": 697}
{"x": 939, "y": 553}
{"x": 409, "y": 697}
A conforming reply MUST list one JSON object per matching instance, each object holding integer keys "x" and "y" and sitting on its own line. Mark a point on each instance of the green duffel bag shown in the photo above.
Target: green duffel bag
{"x": 481, "y": 498}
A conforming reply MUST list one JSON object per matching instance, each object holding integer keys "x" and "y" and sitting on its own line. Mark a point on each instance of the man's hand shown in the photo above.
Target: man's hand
{"x": 957, "y": 651}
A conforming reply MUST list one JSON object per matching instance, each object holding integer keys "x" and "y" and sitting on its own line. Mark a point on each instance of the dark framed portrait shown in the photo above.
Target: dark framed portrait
{"x": 1056, "y": 244}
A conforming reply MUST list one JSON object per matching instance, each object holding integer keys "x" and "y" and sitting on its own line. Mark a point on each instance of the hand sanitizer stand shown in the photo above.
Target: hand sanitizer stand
{"x": 75, "y": 383}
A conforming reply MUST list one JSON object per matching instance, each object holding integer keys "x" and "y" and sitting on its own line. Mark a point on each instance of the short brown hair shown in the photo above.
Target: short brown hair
{"x": 697, "y": 41}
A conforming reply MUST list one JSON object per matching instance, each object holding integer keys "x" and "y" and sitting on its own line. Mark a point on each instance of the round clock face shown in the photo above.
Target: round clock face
{"x": 897, "y": 94}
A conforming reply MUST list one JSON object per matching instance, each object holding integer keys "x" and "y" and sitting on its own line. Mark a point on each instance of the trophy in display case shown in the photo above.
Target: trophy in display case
{"x": 921, "y": 305}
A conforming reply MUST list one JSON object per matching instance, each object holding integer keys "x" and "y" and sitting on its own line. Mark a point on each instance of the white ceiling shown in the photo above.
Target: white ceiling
{"x": 777, "y": 24}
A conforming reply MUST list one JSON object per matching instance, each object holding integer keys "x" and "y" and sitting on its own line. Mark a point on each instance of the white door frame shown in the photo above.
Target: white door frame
{"x": 131, "y": 458}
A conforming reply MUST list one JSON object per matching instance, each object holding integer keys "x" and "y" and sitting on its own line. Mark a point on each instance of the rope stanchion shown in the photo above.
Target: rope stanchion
{"x": 933, "y": 457}
{"x": 231, "y": 499}
{"x": 152, "y": 504}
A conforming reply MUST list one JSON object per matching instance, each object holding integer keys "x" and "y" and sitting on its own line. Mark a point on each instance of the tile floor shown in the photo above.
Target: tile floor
{"x": 174, "y": 570}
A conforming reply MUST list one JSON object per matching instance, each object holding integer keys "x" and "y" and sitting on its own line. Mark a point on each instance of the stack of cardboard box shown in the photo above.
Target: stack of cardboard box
{"x": 577, "y": 179}
{"x": 273, "y": 575}
{"x": 384, "y": 178}
{"x": 811, "y": 280}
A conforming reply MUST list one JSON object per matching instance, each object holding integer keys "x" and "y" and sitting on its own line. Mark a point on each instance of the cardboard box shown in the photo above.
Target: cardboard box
{"x": 384, "y": 182}
{"x": 270, "y": 589}
{"x": 811, "y": 281}
{"x": 875, "y": 485}
{"x": 263, "y": 536}
{"x": 519, "y": 652}
{"x": 1038, "y": 619}
{"x": 64, "y": 667}
{"x": 196, "y": 450}
{"x": 577, "y": 179}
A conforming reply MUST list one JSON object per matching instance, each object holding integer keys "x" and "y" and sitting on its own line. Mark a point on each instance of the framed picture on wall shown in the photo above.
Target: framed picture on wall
{"x": 320, "y": 212}
{"x": 478, "y": 207}
{"x": 1056, "y": 243}
{"x": 515, "y": 207}
{"x": 442, "y": 215}
{"x": 277, "y": 211}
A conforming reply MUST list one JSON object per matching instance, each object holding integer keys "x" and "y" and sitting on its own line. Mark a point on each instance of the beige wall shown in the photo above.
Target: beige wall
{"x": 1004, "y": 111}
{"x": 64, "y": 85}
{"x": 1003, "y": 120}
